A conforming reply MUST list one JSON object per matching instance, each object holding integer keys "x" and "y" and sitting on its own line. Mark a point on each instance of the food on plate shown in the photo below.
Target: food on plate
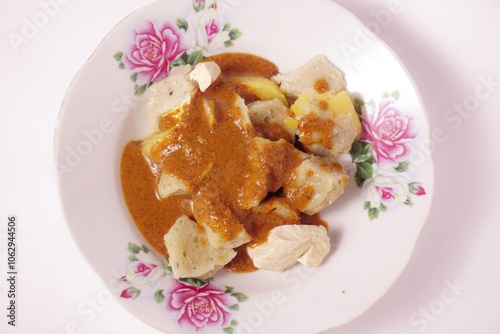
{"x": 238, "y": 163}
{"x": 171, "y": 95}
{"x": 191, "y": 254}
{"x": 273, "y": 119}
{"x": 319, "y": 75}
{"x": 314, "y": 184}
{"x": 287, "y": 244}
{"x": 263, "y": 88}
{"x": 327, "y": 122}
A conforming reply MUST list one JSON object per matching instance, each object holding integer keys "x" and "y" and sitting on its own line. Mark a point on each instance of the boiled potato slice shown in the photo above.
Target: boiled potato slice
{"x": 152, "y": 145}
{"x": 338, "y": 103}
{"x": 262, "y": 88}
{"x": 327, "y": 122}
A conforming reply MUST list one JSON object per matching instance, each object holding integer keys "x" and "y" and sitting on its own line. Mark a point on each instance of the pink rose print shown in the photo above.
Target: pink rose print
{"x": 130, "y": 293}
{"x": 199, "y": 306}
{"x": 388, "y": 188}
{"x": 195, "y": 303}
{"x": 386, "y": 194}
{"x": 212, "y": 28}
{"x": 198, "y": 4}
{"x": 153, "y": 49}
{"x": 380, "y": 153}
{"x": 389, "y": 131}
{"x": 156, "y": 48}
{"x": 143, "y": 269}
{"x": 416, "y": 189}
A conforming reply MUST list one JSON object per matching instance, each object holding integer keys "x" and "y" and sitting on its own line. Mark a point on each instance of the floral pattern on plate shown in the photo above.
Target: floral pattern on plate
{"x": 196, "y": 304}
{"x": 381, "y": 155}
{"x": 157, "y": 47}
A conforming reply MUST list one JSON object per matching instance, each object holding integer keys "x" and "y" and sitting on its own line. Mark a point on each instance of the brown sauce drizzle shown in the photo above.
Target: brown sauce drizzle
{"x": 152, "y": 216}
{"x": 321, "y": 86}
{"x": 312, "y": 125}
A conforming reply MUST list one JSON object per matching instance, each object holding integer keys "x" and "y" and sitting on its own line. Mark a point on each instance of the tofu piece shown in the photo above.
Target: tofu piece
{"x": 244, "y": 121}
{"x": 176, "y": 90}
{"x": 156, "y": 142}
{"x": 270, "y": 213}
{"x": 279, "y": 207}
{"x": 216, "y": 241}
{"x": 205, "y": 74}
{"x": 267, "y": 159}
{"x": 169, "y": 94}
{"x": 190, "y": 253}
{"x": 209, "y": 108}
{"x": 316, "y": 183}
{"x": 222, "y": 227}
{"x": 169, "y": 185}
{"x": 288, "y": 244}
{"x": 273, "y": 120}
{"x": 327, "y": 122}
{"x": 317, "y": 76}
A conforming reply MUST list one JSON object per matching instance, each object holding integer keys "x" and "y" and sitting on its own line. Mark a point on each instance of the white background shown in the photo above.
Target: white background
{"x": 452, "y": 283}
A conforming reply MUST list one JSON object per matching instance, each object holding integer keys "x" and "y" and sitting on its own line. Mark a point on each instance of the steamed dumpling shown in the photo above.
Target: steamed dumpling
{"x": 315, "y": 184}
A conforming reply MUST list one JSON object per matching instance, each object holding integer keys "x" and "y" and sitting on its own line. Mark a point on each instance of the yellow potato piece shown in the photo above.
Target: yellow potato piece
{"x": 152, "y": 145}
{"x": 341, "y": 103}
{"x": 263, "y": 88}
{"x": 290, "y": 122}
{"x": 338, "y": 103}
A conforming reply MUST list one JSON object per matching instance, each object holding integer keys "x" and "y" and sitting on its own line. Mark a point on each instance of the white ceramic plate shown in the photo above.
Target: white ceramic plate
{"x": 373, "y": 228}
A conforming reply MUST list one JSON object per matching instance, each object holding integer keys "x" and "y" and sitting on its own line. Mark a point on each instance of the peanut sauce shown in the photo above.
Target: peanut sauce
{"x": 216, "y": 159}
{"x": 321, "y": 86}
{"x": 312, "y": 125}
